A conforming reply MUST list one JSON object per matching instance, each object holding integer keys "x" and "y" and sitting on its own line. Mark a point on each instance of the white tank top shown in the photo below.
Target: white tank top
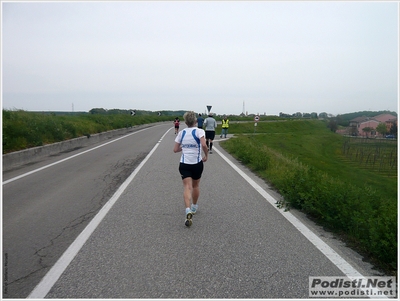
{"x": 189, "y": 139}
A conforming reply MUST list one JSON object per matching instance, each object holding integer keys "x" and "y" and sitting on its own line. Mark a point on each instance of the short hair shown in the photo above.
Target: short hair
{"x": 190, "y": 118}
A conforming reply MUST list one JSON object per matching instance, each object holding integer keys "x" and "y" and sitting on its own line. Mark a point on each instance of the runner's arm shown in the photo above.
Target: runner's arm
{"x": 204, "y": 148}
{"x": 177, "y": 147}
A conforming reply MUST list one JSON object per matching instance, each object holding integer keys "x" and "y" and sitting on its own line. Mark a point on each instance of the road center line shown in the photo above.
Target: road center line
{"x": 47, "y": 282}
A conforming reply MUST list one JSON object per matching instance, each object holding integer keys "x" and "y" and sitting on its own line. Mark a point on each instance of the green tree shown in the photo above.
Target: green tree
{"x": 323, "y": 115}
{"x": 98, "y": 111}
{"x": 393, "y": 129}
{"x": 333, "y": 124}
{"x": 381, "y": 129}
{"x": 367, "y": 130}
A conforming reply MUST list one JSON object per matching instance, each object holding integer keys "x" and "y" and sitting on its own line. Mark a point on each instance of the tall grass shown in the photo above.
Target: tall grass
{"x": 303, "y": 161}
{"x": 22, "y": 129}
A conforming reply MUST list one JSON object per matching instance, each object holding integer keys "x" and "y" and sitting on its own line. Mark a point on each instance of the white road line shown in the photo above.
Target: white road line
{"x": 336, "y": 259}
{"x": 63, "y": 160}
{"x": 45, "y": 285}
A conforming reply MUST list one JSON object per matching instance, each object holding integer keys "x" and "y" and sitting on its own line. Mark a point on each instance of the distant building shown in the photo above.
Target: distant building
{"x": 358, "y": 124}
{"x": 371, "y": 124}
{"x": 388, "y": 119}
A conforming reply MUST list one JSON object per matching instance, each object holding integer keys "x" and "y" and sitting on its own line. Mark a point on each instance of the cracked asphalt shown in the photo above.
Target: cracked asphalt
{"x": 44, "y": 212}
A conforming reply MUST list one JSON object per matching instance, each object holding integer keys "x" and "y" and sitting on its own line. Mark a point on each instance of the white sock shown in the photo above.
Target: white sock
{"x": 195, "y": 206}
{"x": 188, "y": 210}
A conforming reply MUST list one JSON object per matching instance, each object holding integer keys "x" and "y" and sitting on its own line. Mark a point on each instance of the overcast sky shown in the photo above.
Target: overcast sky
{"x": 270, "y": 57}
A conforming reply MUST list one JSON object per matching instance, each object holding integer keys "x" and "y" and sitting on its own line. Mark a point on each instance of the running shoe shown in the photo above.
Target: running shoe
{"x": 188, "y": 221}
{"x": 194, "y": 209}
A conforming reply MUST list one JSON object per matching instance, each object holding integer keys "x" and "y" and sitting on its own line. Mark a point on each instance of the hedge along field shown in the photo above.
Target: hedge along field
{"x": 304, "y": 162}
{"x": 22, "y": 129}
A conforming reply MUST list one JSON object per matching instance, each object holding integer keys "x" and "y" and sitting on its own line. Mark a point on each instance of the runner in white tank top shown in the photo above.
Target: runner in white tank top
{"x": 189, "y": 139}
{"x": 191, "y": 142}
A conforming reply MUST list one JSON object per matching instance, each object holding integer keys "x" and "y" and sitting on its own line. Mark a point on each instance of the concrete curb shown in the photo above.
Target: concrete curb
{"x": 16, "y": 159}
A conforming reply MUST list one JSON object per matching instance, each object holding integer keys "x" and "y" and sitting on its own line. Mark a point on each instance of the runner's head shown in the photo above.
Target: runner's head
{"x": 190, "y": 118}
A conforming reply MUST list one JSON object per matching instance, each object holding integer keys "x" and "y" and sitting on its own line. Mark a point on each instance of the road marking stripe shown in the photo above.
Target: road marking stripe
{"x": 73, "y": 156}
{"x": 331, "y": 254}
{"x": 51, "y": 277}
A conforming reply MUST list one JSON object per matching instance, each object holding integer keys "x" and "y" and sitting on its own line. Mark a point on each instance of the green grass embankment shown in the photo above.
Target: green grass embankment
{"x": 306, "y": 164}
{"x": 22, "y": 130}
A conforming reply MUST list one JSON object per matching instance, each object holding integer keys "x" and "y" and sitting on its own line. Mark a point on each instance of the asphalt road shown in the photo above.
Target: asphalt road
{"x": 239, "y": 246}
{"x": 45, "y": 211}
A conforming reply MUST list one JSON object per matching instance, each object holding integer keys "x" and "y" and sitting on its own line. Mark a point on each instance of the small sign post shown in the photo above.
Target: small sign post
{"x": 256, "y": 119}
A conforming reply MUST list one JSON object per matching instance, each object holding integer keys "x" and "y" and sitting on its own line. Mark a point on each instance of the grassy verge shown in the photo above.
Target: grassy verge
{"x": 23, "y": 129}
{"x": 307, "y": 164}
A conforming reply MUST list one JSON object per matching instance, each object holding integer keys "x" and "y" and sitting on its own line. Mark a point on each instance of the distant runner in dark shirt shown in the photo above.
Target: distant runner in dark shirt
{"x": 200, "y": 121}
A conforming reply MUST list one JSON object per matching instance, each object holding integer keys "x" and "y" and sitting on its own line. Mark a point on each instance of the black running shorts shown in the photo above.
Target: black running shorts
{"x": 210, "y": 135}
{"x": 193, "y": 171}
